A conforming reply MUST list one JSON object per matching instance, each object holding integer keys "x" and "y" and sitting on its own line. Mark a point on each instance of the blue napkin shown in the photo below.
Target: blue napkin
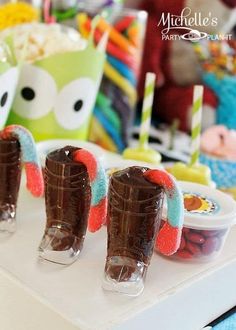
{"x": 227, "y": 324}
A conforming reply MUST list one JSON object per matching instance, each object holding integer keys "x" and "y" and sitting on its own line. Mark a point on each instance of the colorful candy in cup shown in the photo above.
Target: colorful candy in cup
{"x": 121, "y": 72}
{"x": 75, "y": 197}
{"x": 219, "y": 153}
{"x": 135, "y": 202}
{"x": 17, "y": 147}
{"x": 209, "y": 215}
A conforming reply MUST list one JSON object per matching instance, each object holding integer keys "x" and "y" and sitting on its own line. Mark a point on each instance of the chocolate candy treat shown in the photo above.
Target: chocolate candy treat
{"x": 197, "y": 244}
{"x": 201, "y": 243}
{"x": 67, "y": 196}
{"x": 134, "y": 211}
{"x": 10, "y": 175}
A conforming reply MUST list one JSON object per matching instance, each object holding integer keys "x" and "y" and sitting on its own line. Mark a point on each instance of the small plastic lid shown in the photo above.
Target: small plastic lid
{"x": 205, "y": 207}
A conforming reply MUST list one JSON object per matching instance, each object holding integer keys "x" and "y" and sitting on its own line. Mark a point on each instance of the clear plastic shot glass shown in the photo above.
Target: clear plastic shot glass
{"x": 67, "y": 198}
{"x": 134, "y": 214}
{"x": 10, "y": 176}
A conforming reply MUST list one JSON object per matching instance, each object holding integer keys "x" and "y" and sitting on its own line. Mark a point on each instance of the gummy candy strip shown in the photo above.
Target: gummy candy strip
{"x": 97, "y": 176}
{"x": 117, "y": 37}
{"x": 121, "y": 82}
{"x": 99, "y": 134}
{"x": 123, "y": 69}
{"x": 112, "y": 49}
{"x": 169, "y": 237}
{"x": 109, "y": 129}
{"x": 35, "y": 182}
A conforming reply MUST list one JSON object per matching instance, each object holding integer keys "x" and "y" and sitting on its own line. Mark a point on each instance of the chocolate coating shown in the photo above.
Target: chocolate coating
{"x": 134, "y": 214}
{"x": 10, "y": 172}
{"x": 67, "y": 195}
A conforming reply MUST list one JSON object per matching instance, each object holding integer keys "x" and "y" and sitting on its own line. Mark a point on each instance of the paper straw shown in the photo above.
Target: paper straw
{"x": 196, "y": 123}
{"x": 147, "y": 110}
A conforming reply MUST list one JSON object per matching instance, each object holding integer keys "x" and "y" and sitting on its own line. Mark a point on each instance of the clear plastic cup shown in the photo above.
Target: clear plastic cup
{"x": 134, "y": 214}
{"x": 117, "y": 97}
{"x": 67, "y": 198}
{"x": 209, "y": 216}
{"x": 10, "y": 176}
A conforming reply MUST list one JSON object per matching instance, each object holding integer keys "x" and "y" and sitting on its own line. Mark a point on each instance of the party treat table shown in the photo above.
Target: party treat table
{"x": 37, "y": 295}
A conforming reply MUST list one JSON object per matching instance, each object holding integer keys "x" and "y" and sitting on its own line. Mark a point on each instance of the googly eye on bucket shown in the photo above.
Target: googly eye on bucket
{"x": 209, "y": 216}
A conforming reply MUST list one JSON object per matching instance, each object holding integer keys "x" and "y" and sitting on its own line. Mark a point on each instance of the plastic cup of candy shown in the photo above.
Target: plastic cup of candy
{"x": 114, "y": 111}
{"x": 209, "y": 216}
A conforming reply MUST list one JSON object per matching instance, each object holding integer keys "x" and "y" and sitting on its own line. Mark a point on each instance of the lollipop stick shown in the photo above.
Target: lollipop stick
{"x": 147, "y": 110}
{"x": 143, "y": 152}
{"x": 196, "y": 124}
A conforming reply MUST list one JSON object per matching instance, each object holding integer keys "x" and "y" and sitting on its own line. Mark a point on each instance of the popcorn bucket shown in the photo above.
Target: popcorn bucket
{"x": 56, "y": 93}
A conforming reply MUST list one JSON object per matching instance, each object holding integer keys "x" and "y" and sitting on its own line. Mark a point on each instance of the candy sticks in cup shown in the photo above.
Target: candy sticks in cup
{"x": 143, "y": 152}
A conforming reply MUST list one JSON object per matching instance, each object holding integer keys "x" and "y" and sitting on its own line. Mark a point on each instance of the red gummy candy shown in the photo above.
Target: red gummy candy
{"x": 162, "y": 223}
{"x": 193, "y": 248}
{"x": 186, "y": 230}
{"x": 211, "y": 244}
{"x": 168, "y": 239}
{"x": 184, "y": 254}
{"x": 182, "y": 243}
{"x": 195, "y": 238}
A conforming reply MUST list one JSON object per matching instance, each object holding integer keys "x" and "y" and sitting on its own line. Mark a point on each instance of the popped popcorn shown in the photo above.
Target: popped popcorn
{"x": 36, "y": 41}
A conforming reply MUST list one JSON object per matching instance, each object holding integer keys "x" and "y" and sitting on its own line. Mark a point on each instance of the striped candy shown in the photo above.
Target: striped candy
{"x": 196, "y": 124}
{"x": 147, "y": 110}
{"x": 169, "y": 237}
{"x": 35, "y": 182}
{"x": 97, "y": 176}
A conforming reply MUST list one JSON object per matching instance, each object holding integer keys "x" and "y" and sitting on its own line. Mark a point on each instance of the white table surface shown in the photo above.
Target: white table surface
{"x": 39, "y": 295}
